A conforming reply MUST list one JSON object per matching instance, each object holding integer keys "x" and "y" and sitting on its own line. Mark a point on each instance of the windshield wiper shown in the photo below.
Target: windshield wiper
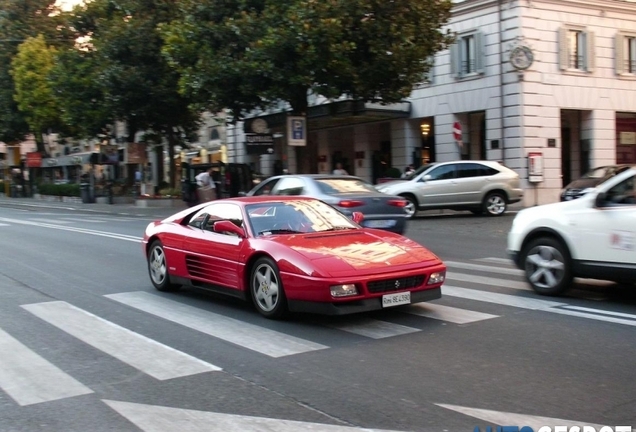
{"x": 279, "y": 231}
{"x": 339, "y": 228}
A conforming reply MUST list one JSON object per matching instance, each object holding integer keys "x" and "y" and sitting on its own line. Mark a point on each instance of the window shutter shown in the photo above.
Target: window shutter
{"x": 480, "y": 53}
{"x": 590, "y": 51}
{"x": 454, "y": 63}
{"x": 564, "y": 62}
{"x": 619, "y": 53}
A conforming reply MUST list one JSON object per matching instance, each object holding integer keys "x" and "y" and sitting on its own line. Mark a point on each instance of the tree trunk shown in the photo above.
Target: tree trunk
{"x": 172, "y": 143}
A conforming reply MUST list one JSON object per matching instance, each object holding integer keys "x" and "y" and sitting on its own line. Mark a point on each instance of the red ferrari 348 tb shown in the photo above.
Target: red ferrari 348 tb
{"x": 290, "y": 254}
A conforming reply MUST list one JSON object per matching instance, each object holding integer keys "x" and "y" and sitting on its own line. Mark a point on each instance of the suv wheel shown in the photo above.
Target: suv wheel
{"x": 548, "y": 266}
{"x": 411, "y": 206}
{"x": 495, "y": 204}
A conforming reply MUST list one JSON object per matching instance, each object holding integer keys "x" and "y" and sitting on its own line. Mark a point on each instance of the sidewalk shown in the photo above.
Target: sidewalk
{"x": 115, "y": 209}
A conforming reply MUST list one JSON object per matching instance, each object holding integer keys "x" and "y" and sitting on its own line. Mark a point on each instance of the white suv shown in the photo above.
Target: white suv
{"x": 591, "y": 237}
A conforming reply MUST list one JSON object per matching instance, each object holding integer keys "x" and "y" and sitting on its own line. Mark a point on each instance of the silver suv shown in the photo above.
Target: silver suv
{"x": 479, "y": 186}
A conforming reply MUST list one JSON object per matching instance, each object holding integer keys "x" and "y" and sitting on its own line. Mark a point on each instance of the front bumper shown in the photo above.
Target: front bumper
{"x": 356, "y": 306}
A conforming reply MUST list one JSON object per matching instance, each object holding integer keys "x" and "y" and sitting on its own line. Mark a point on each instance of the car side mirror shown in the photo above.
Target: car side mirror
{"x": 427, "y": 177}
{"x": 357, "y": 217}
{"x": 601, "y": 200}
{"x": 227, "y": 226}
{"x": 242, "y": 193}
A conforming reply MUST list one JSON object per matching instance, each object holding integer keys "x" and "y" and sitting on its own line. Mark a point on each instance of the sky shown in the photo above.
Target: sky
{"x": 68, "y": 4}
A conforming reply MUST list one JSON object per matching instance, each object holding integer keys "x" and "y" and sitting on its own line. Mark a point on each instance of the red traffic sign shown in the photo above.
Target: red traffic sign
{"x": 457, "y": 131}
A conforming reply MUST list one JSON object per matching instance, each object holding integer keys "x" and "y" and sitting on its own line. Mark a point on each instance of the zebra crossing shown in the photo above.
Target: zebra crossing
{"x": 29, "y": 378}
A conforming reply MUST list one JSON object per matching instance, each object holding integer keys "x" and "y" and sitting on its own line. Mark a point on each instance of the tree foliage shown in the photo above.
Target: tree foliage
{"x": 246, "y": 54}
{"x": 124, "y": 58}
{"x": 30, "y": 69}
{"x": 20, "y": 20}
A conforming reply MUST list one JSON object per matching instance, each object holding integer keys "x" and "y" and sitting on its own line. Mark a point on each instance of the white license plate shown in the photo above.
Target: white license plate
{"x": 396, "y": 299}
{"x": 380, "y": 223}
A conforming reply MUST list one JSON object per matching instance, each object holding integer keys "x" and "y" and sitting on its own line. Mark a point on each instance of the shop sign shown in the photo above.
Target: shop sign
{"x": 34, "y": 160}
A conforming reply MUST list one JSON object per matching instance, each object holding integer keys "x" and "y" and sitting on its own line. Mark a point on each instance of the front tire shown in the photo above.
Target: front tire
{"x": 495, "y": 204}
{"x": 158, "y": 268}
{"x": 548, "y": 266}
{"x": 266, "y": 289}
{"x": 411, "y": 206}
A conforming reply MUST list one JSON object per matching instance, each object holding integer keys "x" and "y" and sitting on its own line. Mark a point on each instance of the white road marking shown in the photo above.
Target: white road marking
{"x": 507, "y": 419}
{"x": 374, "y": 329}
{"x": 502, "y": 299}
{"x": 4, "y": 224}
{"x": 87, "y": 220}
{"x": 505, "y": 261}
{"x": 484, "y": 280}
{"x": 49, "y": 220}
{"x": 253, "y": 337}
{"x": 595, "y": 316}
{"x": 485, "y": 268}
{"x": 152, "y": 418}
{"x": 447, "y": 313}
{"x": 147, "y": 355}
{"x": 600, "y": 311}
{"x": 117, "y": 236}
{"x": 30, "y": 379}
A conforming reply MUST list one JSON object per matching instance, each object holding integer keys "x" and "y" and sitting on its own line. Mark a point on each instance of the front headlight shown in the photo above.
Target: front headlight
{"x": 343, "y": 290}
{"x": 437, "y": 277}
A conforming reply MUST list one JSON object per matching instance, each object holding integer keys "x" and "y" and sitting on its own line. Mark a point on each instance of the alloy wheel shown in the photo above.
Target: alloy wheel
{"x": 545, "y": 267}
{"x": 265, "y": 287}
{"x": 495, "y": 204}
{"x": 158, "y": 269}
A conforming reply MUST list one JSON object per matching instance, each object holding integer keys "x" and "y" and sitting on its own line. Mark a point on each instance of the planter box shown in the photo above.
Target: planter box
{"x": 66, "y": 199}
{"x": 159, "y": 202}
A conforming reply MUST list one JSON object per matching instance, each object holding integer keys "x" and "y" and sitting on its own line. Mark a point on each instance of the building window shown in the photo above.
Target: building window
{"x": 625, "y": 54}
{"x": 467, "y": 55}
{"x": 576, "y": 50}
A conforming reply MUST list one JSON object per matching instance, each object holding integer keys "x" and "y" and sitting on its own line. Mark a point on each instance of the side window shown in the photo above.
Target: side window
{"x": 290, "y": 186}
{"x": 265, "y": 188}
{"x": 623, "y": 193}
{"x": 475, "y": 170}
{"x": 219, "y": 212}
{"x": 198, "y": 219}
{"x": 444, "y": 172}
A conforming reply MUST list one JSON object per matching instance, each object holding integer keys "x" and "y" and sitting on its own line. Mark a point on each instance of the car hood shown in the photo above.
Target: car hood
{"x": 350, "y": 252}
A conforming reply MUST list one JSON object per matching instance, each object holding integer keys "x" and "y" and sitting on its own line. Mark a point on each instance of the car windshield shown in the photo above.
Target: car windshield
{"x": 332, "y": 186}
{"x": 600, "y": 172}
{"x": 297, "y": 216}
{"x": 418, "y": 171}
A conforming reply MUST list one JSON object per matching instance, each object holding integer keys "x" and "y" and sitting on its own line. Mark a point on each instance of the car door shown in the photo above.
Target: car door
{"x": 608, "y": 233}
{"x": 210, "y": 256}
{"x": 471, "y": 181}
{"x": 437, "y": 186}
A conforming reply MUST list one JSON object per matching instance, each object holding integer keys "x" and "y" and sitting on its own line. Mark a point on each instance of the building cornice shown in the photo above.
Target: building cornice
{"x": 619, "y": 6}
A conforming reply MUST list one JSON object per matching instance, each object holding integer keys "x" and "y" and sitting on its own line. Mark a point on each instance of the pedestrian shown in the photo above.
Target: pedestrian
{"x": 408, "y": 171}
{"x": 205, "y": 186}
{"x": 340, "y": 170}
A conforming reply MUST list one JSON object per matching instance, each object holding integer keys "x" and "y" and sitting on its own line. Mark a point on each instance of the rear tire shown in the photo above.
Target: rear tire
{"x": 495, "y": 204}
{"x": 158, "y": 268}
{"x": 548, "y": 266}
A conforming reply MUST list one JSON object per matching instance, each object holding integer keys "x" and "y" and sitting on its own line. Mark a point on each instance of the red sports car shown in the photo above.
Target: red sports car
{"x": 288, "y": 253}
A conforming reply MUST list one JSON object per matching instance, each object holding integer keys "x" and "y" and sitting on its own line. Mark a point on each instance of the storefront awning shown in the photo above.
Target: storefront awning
{"x": 338, "y": 114}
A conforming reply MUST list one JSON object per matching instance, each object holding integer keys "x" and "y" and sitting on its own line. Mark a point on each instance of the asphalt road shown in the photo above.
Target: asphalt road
{"x": 86, "y": 343}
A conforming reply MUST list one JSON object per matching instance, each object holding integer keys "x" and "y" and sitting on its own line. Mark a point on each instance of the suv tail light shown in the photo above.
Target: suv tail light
{"x": 397, "y": 202}
{"x": 350, "y": 203}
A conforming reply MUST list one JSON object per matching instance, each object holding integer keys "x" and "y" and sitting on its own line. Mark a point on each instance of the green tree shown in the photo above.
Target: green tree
{"x": 30, "y": 69}
{"x": 137, "y": 84}
{"x": 246, "y": 54}
{"x": 19, "y": 20}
